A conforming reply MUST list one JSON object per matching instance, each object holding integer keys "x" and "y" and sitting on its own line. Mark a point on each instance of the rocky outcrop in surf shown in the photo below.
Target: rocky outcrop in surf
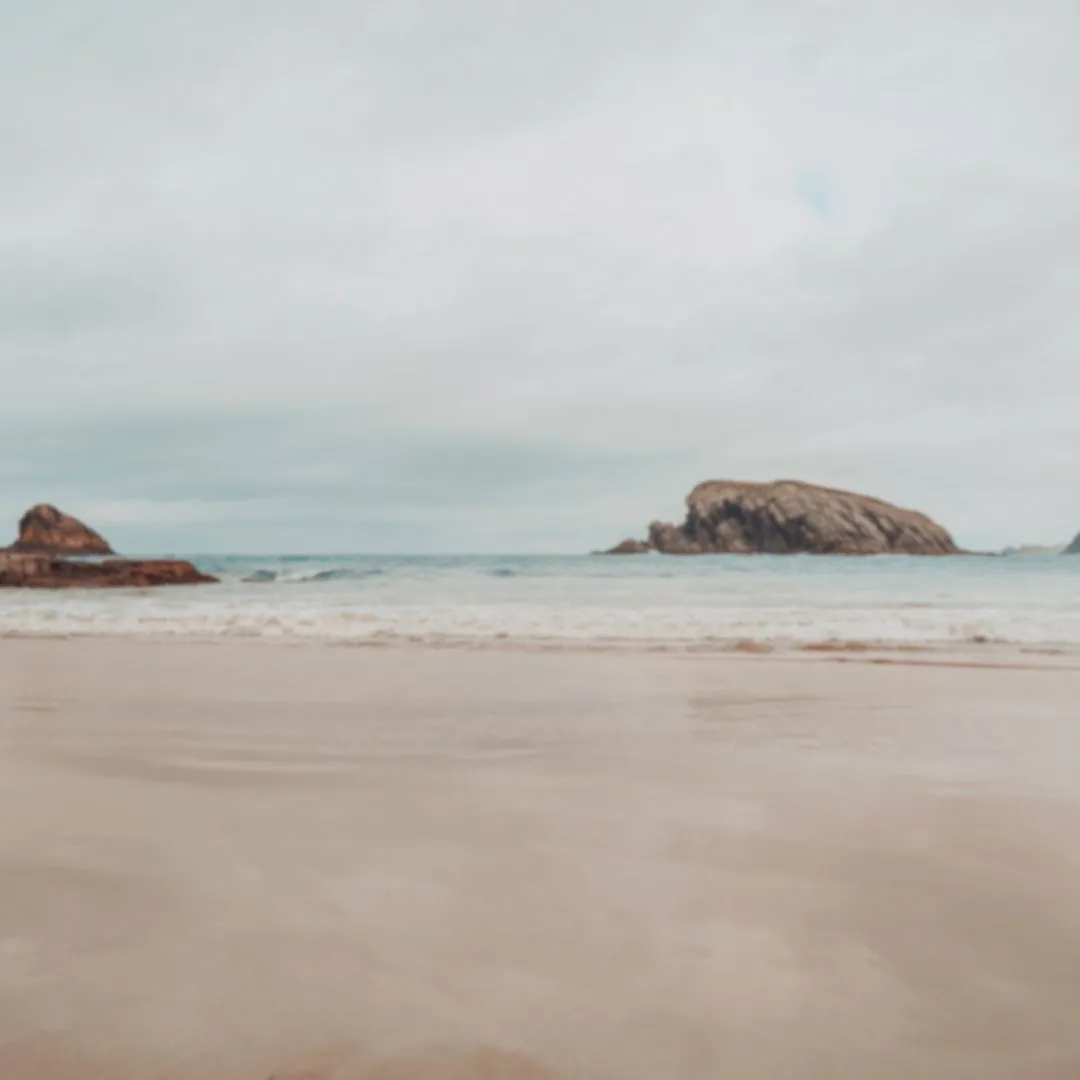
{"x": 55, "y": 572}
{"x": 51, "y": 553}
{"x": 44, "y": 530}
{"x": 790, "y": 517}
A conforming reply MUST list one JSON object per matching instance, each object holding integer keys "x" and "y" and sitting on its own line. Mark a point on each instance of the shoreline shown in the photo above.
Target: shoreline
{"x": 837, "y": 606}
{"x": 974, "y": 653}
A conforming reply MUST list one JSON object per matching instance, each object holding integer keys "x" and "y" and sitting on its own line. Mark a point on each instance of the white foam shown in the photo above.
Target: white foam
{"x": 676, "y": 603}
{"x": 570, "y": 624}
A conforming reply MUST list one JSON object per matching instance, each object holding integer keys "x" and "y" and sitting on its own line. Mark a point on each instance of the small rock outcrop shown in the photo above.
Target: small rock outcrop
{"x": 630, "y": 547}
{"x": 789, "y": 517}
{"x": 44, "y": 530}
{"x": 55, "y": 572}
{"x": 1074, "y": 547}
{"x": 46, "y": 556}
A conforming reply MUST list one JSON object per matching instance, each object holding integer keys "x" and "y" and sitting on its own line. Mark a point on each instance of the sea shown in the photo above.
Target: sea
{"x": 691, "y": 603}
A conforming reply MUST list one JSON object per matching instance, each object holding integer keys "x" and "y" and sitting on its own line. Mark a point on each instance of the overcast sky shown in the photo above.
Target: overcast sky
{"x": 453, "y": 275}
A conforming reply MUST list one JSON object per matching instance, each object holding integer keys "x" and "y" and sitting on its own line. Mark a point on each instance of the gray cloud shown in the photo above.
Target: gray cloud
{"x": 502, "y": 275}
{"x": 294, "y": 480}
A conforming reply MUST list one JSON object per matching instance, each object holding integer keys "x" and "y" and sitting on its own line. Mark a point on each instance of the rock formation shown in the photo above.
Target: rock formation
{"x": 788, "y": 516}
{"x": 1074, "y": 547}
{"x": 56, "y": 572}
{"x": 42, "y": 558}
{"x": 630, "y": 547}
{"x": 44, "y": 530}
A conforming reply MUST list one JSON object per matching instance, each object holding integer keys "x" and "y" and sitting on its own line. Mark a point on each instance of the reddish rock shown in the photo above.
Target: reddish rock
{"x": 788, "y": 516}
{"x": 51, "y": 572}
{"x": 44, "y": 530}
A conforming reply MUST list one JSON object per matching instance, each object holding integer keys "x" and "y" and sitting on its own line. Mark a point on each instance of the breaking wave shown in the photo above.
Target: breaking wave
{"x": 693, "y": 603}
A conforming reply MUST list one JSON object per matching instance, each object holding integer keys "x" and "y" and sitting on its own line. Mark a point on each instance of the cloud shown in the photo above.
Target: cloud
{"x": 490, "y": 276}
{"x": 331, "y": 480}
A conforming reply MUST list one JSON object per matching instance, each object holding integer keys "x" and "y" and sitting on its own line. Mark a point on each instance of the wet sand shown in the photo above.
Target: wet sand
{"x": 233, "y": 861}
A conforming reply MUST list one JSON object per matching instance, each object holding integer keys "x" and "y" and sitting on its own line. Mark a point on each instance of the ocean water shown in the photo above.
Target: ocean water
{"x": 707, "y": 601}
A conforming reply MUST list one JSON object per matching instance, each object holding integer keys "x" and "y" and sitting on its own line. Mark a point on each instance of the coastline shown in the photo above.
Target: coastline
{"x": 972, "y": 653}
{"x": 227, "y": 861}
{"x": 719, "y": 603}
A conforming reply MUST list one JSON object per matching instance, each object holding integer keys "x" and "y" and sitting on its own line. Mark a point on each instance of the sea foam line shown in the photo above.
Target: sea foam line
{"x": 179, "y": 617}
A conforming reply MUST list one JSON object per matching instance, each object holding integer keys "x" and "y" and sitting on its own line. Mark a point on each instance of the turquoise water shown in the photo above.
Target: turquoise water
{"x": 709, "y": 600}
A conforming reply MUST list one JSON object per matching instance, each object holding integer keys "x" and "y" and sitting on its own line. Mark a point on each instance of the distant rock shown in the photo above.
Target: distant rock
{"x": 788, "y": 517}
{"x": 1074, "y": 547}
{"x": 44, "y": 530}
{"x": 56, "y": 572}
{"x": 630, "y": 547}
{"x": 1034, "y": 549}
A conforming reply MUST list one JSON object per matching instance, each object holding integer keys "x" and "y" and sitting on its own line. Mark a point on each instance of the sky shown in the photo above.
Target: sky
{"x": 496, "y": 275}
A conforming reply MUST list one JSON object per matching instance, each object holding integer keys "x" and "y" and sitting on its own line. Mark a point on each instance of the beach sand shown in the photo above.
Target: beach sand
{"x": 243, "y": 861}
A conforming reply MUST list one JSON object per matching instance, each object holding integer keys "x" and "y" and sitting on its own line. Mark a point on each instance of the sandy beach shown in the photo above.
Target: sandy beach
{"x": 232, "y": 862}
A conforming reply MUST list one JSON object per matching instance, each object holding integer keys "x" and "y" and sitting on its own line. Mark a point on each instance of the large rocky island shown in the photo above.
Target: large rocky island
{"x": 52, "y": 549}
{"x": 1074, "y": 547}
{"x": 789, "y": 517}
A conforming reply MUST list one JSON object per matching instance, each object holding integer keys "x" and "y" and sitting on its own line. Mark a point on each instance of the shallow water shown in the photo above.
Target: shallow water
{"x": 714, "y": 601}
